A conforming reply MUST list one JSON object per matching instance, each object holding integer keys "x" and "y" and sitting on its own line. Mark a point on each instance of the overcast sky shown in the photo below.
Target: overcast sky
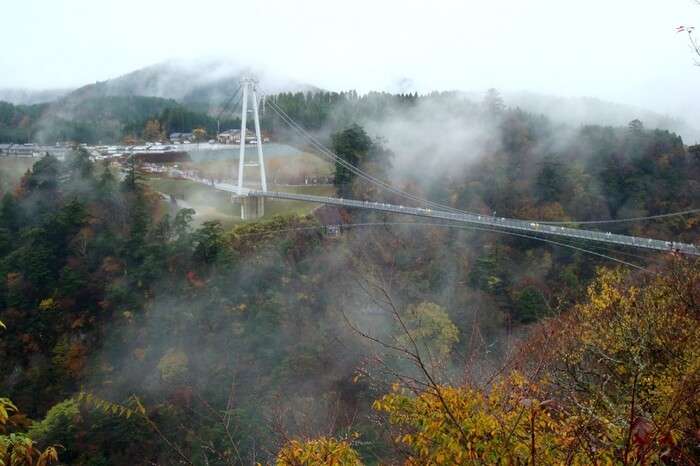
{"x": 620, "y": 50}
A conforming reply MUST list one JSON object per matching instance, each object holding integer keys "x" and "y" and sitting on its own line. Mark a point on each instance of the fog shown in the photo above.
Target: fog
{"x": 625, "y": 51}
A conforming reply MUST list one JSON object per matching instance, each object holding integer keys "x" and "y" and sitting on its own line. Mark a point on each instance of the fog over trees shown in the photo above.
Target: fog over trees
{"x": 141, "y": 327}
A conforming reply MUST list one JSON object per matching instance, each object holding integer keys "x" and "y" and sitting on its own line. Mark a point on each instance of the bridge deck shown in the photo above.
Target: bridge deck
{"x": 493, "y": 222}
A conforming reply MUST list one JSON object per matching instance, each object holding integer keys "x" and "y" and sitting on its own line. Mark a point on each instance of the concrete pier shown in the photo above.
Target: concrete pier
{"x": 252, "y": 208}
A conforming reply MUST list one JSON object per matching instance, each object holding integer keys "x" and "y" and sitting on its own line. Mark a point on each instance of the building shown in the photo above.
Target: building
{"x": 332, "y": 219}
{"x": 233, "y": 136}
{"x": 32, "y": 150}
{"x": 181, "y": 137}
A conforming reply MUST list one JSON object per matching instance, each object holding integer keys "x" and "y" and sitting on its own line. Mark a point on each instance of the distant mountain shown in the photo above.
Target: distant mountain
{"x": 577, "y": 111}
{"x": 20, "y": 96}
{"x": 200, "y": 85}
{"x": 103, "y": 111}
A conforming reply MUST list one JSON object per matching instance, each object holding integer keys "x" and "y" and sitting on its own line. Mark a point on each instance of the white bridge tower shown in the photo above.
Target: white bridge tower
{"x": 251, "y": 207}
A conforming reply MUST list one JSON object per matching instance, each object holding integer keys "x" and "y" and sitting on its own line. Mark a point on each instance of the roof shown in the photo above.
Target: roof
{"x": 330, "y": 215}
{"x": 230, "y": 131}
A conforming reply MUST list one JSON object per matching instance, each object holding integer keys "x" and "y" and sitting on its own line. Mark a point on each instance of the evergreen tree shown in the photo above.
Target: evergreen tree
{"x": 353, "y": 146}
{"x": 493, "y": 102}
{"x": 10, "y": 213}
{"x": 552, "y": 181}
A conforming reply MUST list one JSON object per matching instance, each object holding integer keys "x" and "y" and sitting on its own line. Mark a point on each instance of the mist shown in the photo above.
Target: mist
{"x": 635, "y": 56}
{"x": 211, "y": 339}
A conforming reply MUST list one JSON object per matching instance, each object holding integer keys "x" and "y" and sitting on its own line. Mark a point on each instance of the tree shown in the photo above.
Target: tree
{"x": 152, "y": 131}
{"x": 209, "y": 243}
{"x": 43, "y": 177}
{"x": 139, "y": 220}
{"x": 199, "y": 134}
{"x": 79, "y": 164}
{"x": 352, "y": 145}
{"x": 318, "y": 451}
{"x": 636, "y": 126}
{"x": 614, "y": 381}
{"x": 552, "y": 181}
{"x": 356, "y": 149}
{"x": 9, "y": 213}
{"x": 508, "y": 424}
{"x": 131, "y": 182}
{"x": 630, "y": 356}
{"x": 493, "y": 102}
{"x": 530, "y": 305}
{"x": 16, "y": 448}
{"x": 430, "y": 327}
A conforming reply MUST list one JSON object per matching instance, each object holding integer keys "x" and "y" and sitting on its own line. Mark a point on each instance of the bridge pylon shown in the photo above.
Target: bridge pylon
{"x": 253, "y": 208}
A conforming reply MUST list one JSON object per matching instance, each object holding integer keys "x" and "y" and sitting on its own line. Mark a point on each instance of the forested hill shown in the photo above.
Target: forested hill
{"x": 86, "y": 120}
{"x": 132, "y": 335}
{"x": 20, "y": 96}
{"x": 112, "y": 111}
{"x": 204, "y": 84}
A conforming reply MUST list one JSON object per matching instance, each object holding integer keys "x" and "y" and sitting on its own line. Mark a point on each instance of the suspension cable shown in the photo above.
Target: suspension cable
{"x": 335, "y": 158}
{"x": 460, "y": 227}
{"x": 629, "y": 219}
{"x": 228, "y": 102}
{"x": 362, "y": 174}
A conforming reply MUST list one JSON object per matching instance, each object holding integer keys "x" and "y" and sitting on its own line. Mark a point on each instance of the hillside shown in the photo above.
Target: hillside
{"x": 200, "y": 85}
{"x": 19, "y": 96}
{"x": 89, "y": 120}
{"x": 592, "y": 111}
{"x": 135, "y": 336}
{"x": 107, "y": 111}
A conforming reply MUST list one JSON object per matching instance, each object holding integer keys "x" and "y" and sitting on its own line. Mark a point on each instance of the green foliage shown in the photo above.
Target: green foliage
{"x": 17, "y": 448}
{"x": 173, "y": 366}
{"x": 220, "y": 333}
{"x": 210, "y": 245}
{"x": 94, "y": 119}
{"x": 353, "y": 146}
{"x": 530, "y": 305}
{"x": 60, "y": 424}
{"x": 552, "y": 183}
{"x": 9, "y": 213}
{"x": 430, "y": 327}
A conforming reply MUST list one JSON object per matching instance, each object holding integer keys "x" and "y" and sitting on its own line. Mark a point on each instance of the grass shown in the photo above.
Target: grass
{"x": 278, "y": 206}
{"x": 211, "y": 204}
{"x": 293, "y": 167}
{"x": 11, "y": 171}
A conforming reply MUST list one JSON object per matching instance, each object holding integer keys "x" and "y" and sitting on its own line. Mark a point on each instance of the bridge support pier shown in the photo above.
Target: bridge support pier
{"x": 252, "y": 208}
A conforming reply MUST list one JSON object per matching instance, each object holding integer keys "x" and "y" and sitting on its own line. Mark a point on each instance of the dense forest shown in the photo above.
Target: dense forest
{"x": 132, "y": 334}
{"x": 106, "y": 120}
{"x": 110, "y": 119}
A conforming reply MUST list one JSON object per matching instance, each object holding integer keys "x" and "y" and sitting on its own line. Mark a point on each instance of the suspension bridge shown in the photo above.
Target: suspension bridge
{"x": 252, "y": 200}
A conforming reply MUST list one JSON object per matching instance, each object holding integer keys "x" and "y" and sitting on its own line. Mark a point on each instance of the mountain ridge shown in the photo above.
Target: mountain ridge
{"x": 205, "y": 85}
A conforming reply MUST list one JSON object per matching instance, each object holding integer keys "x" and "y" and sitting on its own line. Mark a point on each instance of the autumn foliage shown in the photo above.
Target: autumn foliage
{"x": 615, "y": 380}
{"x": 323, "y": 450}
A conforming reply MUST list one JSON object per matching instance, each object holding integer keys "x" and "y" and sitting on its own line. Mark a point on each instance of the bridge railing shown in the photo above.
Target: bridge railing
{"x": 494, "y": 222}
